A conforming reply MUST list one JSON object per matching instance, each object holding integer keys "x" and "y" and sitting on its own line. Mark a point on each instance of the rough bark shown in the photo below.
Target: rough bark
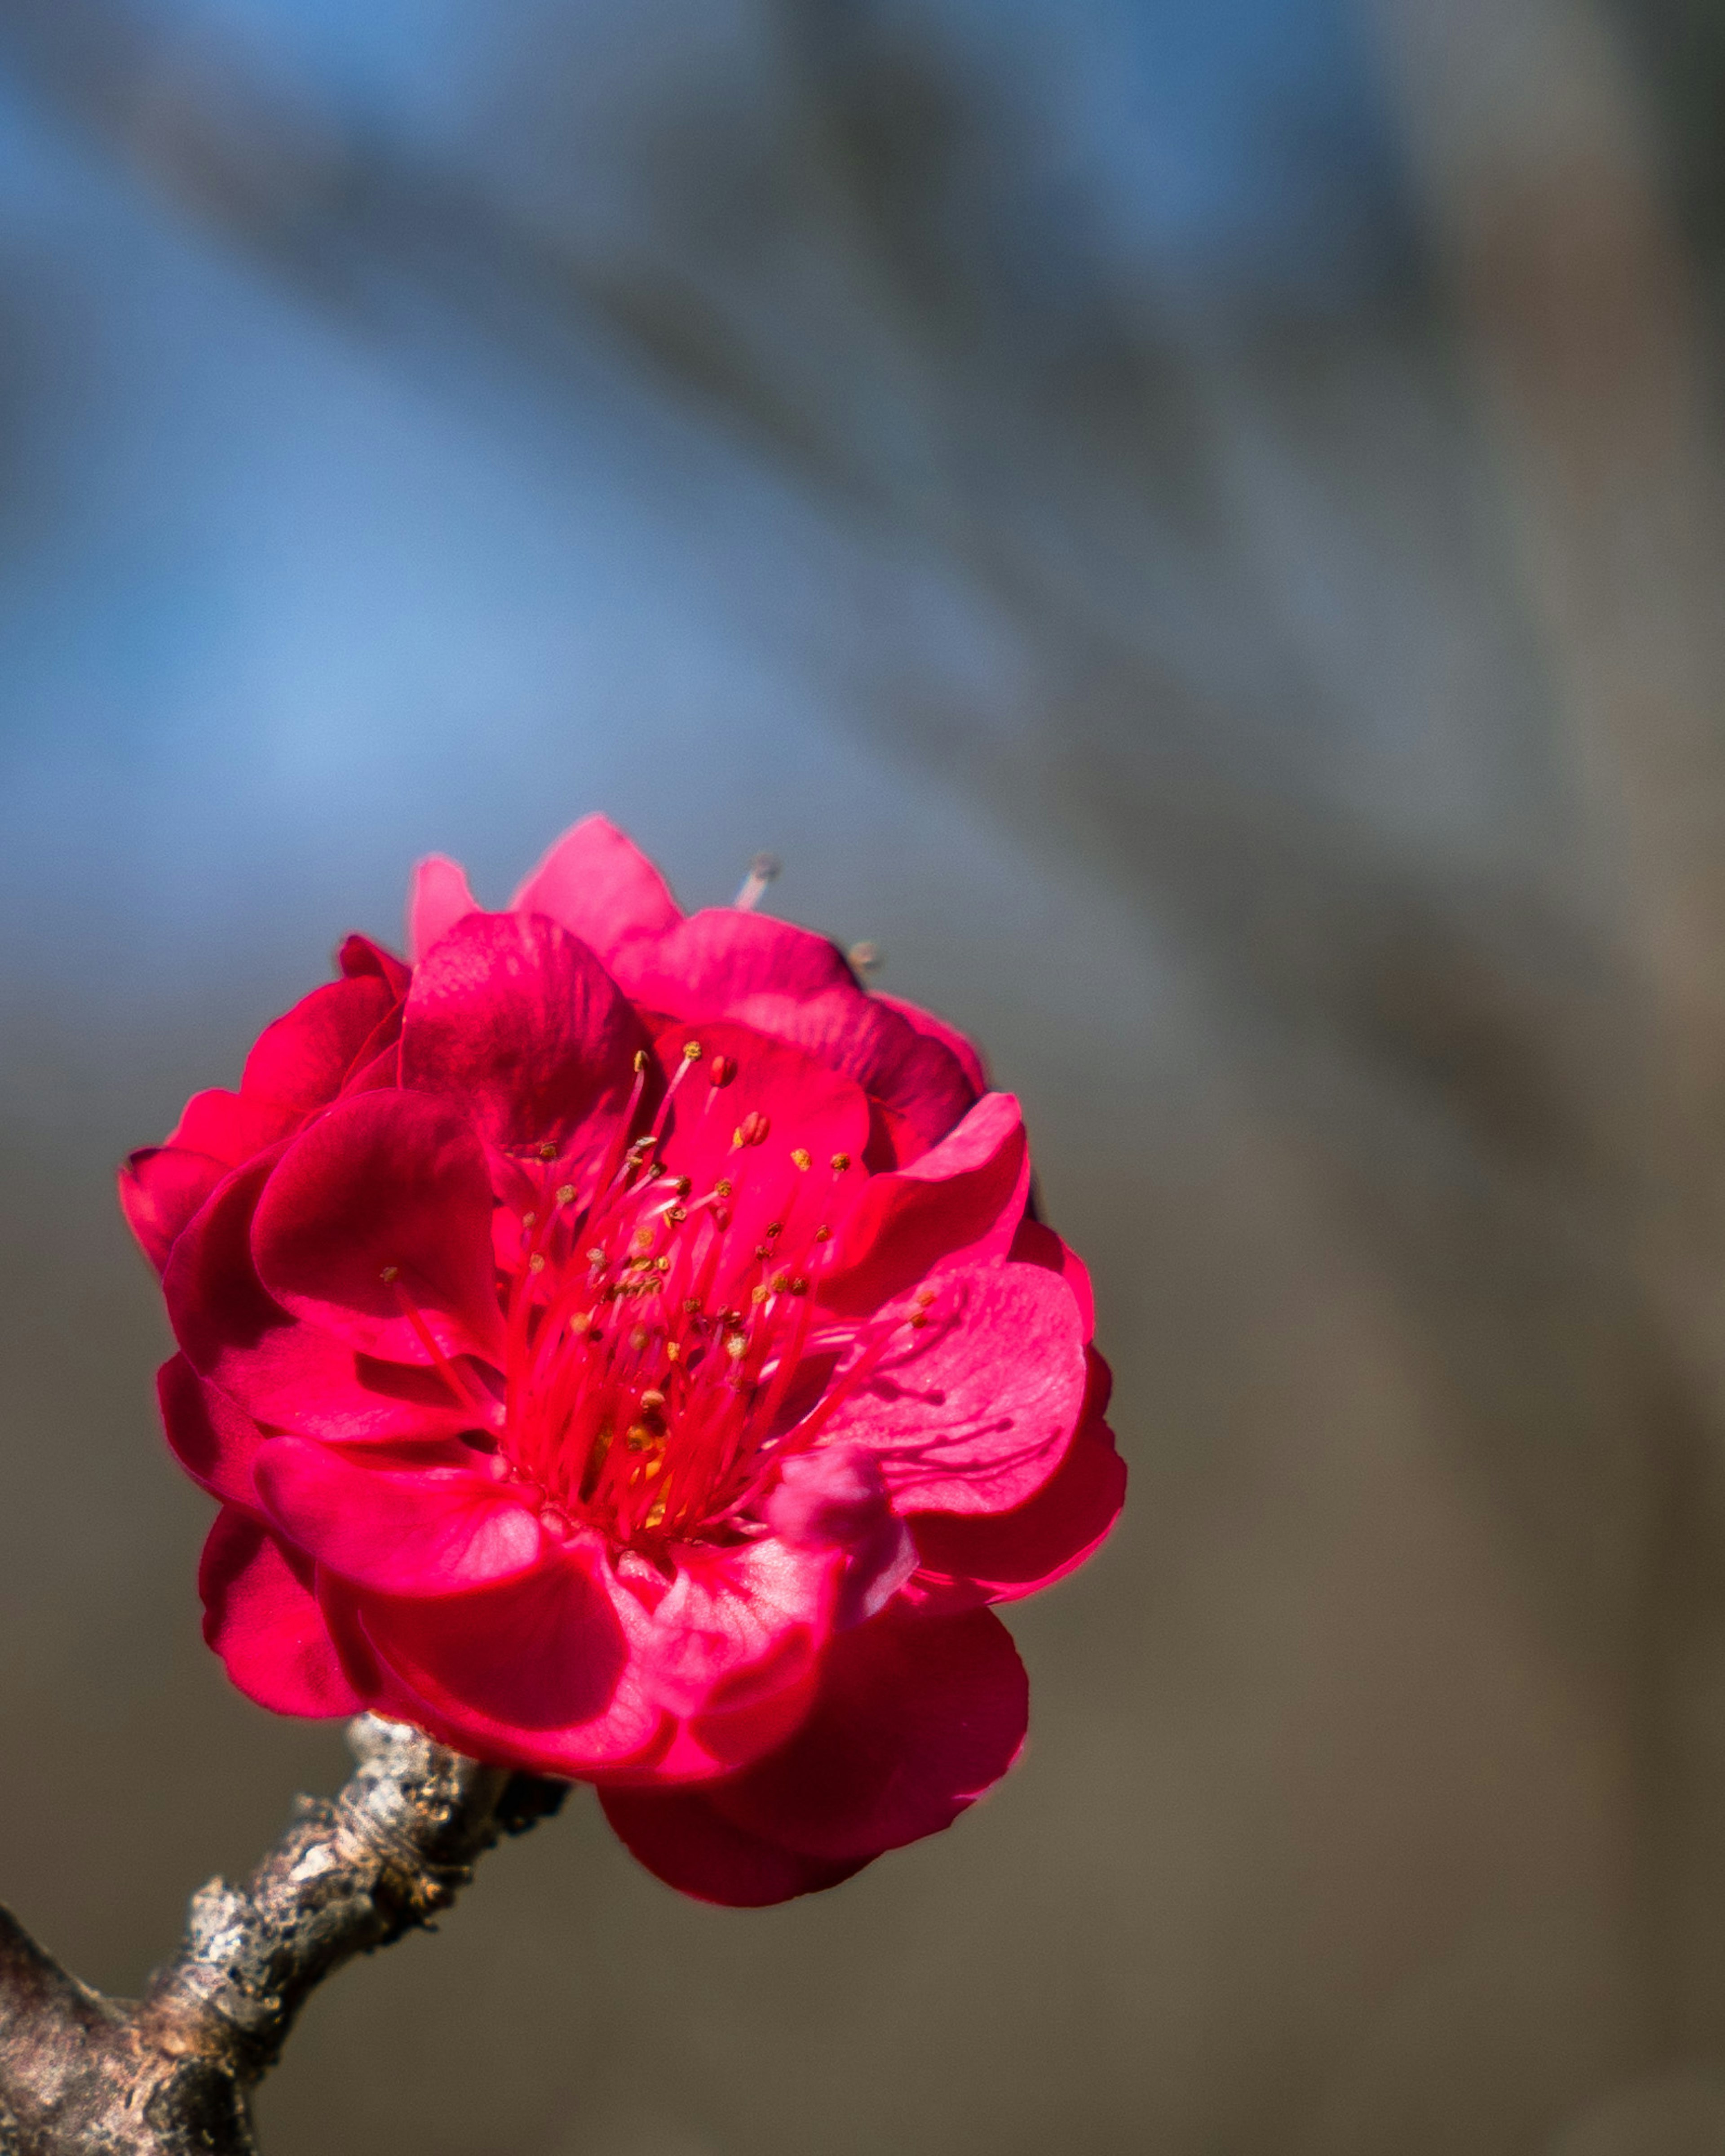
{"x": 169, "y": 2074}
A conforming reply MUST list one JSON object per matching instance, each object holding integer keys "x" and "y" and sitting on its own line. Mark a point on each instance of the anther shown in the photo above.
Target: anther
{"x": 841, "y": 1161}
{"x": 724, "y": 1186}
{"x": 758, "y": 1294}
{"x": 529, "y": 1220}
{"x": 823, "y": 1234}
{"x": 596, "y": 1256}
{"x": 752, "y": 1130}
{"x": 691, "y": 1051}
{"x": 736, "y": 1346}
{"x": 722, "y": 1069}
{"x": 566, "y": 1194}
{"x": 548, "y": 1153}
{"x": 652, "y": 1397}
{"x": 536, "y": 1264}
{"x": 677, "y": 1215}
{"x": 640, "y": 1059}
{"x": 799, "y": 1158}
{"x": 390, "y": 1273}
{"x": 867, "y": 957}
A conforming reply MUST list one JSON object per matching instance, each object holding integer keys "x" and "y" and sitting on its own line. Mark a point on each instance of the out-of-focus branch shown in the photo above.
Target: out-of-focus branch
{"x": 168, "y": 2074}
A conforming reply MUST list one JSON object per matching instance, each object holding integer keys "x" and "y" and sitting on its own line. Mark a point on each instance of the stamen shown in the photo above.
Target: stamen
{"x": 662, "y": 1423}
{"x": 762, "y": 869}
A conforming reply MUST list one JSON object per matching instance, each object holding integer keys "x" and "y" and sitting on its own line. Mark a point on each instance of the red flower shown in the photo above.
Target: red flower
{"x": 621, "y": 1347}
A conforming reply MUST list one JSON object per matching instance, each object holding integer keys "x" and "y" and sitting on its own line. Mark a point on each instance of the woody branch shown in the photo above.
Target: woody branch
{"x": 170, "y": 2073}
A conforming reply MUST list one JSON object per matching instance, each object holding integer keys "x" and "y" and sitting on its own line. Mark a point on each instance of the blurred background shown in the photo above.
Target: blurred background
{"x": 1194, "y": 524}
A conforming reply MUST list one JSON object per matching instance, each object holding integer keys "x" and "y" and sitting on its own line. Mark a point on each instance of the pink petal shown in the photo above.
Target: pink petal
{"x": 723, "y": 1739}
{"x": 968, "y": 1056}
{"x": 213, "y": 1441}
{"x": 798, "y": 986}
{"x": 230, "y": 1127}
{"x": 681, "y": 1840}
{"x": 736, "y": 1626}
{"x": 521, "y": 1022}
{"x": 835, "y": 1498}
{"x": 162, "y": 1189}
{"x": 1034, "y": 1244}
{"x": 378, "y": 1213}
{"x": 280, "y": 1371}
{"x": 535, "y": 1673}
{"x": 917, "y": 1717}
{"x": 601, "y": 887}
{"x": 971, "y": 1411}
{"x": 262, "y": 1618}
{"x": 358, "y": 956}
{"x": 963, "y": 1198}
{"x": 436, "y": 899}
{"x": 436, "y": 1530}
{"x": 998, "y": 1556}
{"x": 800, "y": 1106}
{"x": 301, "y": 1059}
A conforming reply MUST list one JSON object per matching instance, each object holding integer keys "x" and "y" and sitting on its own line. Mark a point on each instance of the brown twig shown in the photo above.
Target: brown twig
{"x": 168, "y": 2074}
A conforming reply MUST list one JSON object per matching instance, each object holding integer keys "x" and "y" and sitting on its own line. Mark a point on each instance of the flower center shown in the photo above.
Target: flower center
{"x": 655, "y": 1329}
